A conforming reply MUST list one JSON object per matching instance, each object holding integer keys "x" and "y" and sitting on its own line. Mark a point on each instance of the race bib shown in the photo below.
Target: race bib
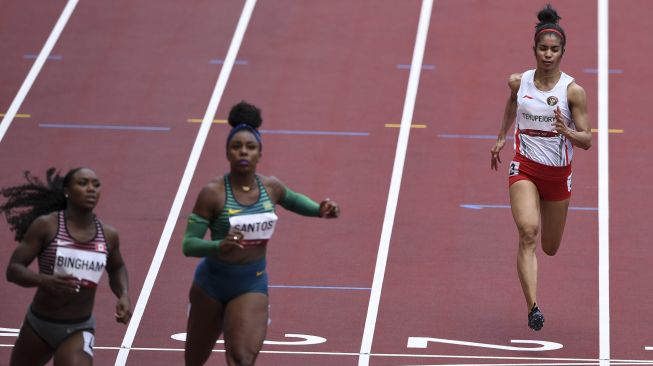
{"x": 85, "y": 265}
{"x": 257, "y": 229}
{"x": 513, "y": 169}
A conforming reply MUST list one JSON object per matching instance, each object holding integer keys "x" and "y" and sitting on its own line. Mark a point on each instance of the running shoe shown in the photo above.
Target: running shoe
{"x": 535, "y": 318}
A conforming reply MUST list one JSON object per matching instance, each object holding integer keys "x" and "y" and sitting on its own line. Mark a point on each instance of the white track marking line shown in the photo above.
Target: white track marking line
{"x": 603, "y": 183}
{"x": 395, "y": 182}
{"x": 36, "y": 67}
{"x": 211, "y": 110}
{"x": 535, "y": 361}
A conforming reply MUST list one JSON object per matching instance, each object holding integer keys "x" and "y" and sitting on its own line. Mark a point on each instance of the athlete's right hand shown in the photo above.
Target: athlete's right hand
{"x": 58, "y": 284}
{"x": 232, "y": 241}
{"x": 496, "y": 160}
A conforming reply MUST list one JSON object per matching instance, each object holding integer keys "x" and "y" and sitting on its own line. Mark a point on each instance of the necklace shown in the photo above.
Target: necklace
{"x": 245, "y": 187}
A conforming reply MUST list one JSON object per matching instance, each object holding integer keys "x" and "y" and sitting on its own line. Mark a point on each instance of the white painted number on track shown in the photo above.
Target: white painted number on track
{"x": 422, "y": 342}
{"x": 305, "y": 340}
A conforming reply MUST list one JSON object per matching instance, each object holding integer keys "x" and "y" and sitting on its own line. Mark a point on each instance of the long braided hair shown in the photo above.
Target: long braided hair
{"x": 26, "y": 202}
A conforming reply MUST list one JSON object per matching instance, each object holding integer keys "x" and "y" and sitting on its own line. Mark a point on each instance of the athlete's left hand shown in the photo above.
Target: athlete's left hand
{"x": 329, "y": 209}
{"x": 560, "y": 125}
{"x": 123, "y": 309}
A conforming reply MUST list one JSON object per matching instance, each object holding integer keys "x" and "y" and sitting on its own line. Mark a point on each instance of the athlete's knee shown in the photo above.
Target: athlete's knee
{"x": 550, "y": 248}
{"x": 528, "y": 235}
{"x": 243, "y": 357}
{"x": 198, "y": 347}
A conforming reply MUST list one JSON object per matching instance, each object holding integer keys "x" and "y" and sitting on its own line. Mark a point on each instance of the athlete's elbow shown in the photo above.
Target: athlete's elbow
{"x": 584, "y": 143}
{"x": 186, "y": 248}
{"x": 189, "y": 253}
{"x": 13, "y": 274}
{"x": 587, "y": 145}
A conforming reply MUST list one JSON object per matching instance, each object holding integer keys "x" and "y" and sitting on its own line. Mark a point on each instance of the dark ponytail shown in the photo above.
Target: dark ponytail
{"x": 28, "y": 201}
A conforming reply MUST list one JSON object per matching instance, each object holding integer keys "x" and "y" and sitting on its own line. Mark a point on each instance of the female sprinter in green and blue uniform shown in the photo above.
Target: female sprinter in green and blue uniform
{"x": 229, "y": 291}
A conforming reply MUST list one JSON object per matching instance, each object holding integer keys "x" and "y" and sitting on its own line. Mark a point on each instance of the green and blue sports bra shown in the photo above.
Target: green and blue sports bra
{"x": 220, "y": 225}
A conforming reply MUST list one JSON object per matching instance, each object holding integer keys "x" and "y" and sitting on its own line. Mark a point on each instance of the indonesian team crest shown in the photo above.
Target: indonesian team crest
{"x": 551, "y": 101}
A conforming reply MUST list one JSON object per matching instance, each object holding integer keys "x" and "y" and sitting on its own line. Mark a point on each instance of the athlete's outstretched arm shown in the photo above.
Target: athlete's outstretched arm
{"x": 509, "y": 115}
{"x": 301, "y": 204}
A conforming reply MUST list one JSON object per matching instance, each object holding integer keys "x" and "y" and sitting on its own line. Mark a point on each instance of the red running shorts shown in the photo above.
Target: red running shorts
{"x": 553, "y": 183}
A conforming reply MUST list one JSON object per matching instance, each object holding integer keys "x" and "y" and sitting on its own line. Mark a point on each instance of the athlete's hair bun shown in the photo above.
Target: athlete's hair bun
{"x": 247, "y": 113}
{"x": 548, "y": 15}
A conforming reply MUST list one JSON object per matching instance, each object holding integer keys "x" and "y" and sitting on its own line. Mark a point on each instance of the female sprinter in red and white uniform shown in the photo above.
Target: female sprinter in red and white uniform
{"x": 550, "y": 113}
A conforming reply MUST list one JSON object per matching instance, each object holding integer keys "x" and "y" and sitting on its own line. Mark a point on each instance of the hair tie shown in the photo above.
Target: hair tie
{"x": 562, "y": 36}
{"x": 245, "y": 126}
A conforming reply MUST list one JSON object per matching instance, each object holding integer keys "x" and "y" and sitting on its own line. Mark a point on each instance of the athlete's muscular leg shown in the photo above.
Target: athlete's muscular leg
{"x": 245, "y": 325}
{"x": 204, "y": 326}
{"x": 75, "y": 350}
{"x": 30, "y": 349}
{"x": 525, "y": 205}
{"x": 554, "y": 216}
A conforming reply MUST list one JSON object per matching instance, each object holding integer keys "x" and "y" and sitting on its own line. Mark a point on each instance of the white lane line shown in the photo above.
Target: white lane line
{"x": 395, "y": 182}
{"x": 211, "y": 110}
{"x": 535, "y": 361}
{"x": 603, "y": 183}
{"x": 36, "y": 67}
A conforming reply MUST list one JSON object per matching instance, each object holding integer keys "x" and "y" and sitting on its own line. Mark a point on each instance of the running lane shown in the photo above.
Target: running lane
{"x": 24, "y": 28}
{"x": 630, "y": 176}
{"x": 451, "y": 270}
{"x": 134, "y": 72}
{"x": 330, "y": 67}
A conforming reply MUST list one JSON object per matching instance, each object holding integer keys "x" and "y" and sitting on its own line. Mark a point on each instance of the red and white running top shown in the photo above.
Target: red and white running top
{"x": 535, "y": 134}
{"x": 67, "y": 256}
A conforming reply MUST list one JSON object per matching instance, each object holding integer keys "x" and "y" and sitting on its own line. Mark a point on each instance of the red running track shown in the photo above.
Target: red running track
{"x": 332, "y": 66}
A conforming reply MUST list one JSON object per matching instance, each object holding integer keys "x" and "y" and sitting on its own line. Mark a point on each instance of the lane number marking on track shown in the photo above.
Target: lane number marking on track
{"x": 303, "y": 340}
{"x": 422, "y": 342}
